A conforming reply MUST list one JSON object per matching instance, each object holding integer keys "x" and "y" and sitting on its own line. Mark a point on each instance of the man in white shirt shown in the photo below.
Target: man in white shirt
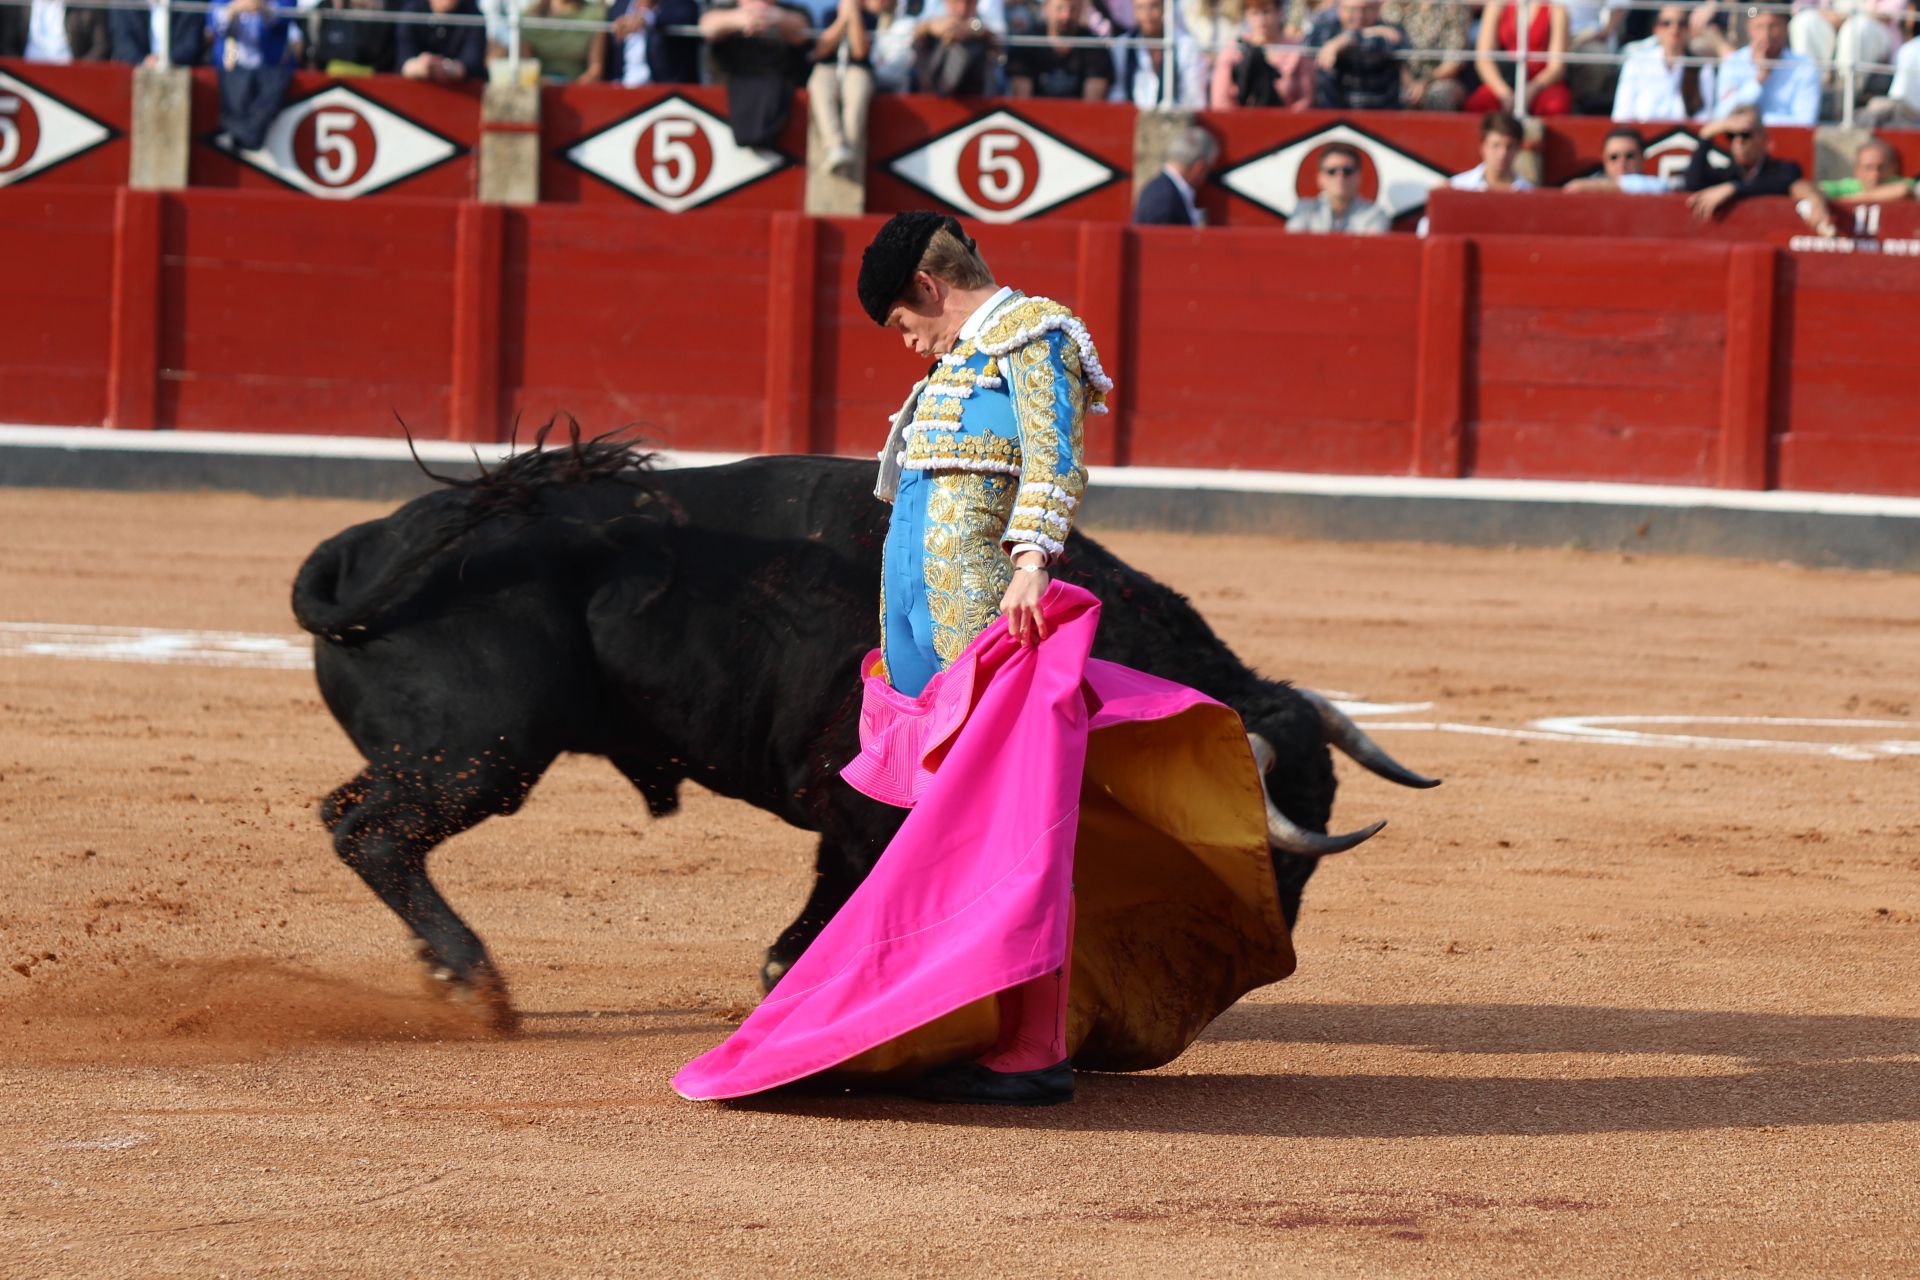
{"x": 1500, "y": 138}
{"x": 1782, "y": 84}
{"x": 1622, "y": 159}
{"x": 1654, "y": 83}
{"x": 1138, "y": 76}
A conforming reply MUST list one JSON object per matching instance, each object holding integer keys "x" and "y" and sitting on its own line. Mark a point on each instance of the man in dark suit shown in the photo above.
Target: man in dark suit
{"x": 1168, "y": 200}
{"x": 84, "y": 30}
{"x": 132, "y": 36}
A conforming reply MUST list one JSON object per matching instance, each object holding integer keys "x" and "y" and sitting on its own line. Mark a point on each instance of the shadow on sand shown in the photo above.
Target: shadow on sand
{"x": 1781, "y": 1070}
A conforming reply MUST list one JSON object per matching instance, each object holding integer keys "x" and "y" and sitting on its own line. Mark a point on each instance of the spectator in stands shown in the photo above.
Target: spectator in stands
{"x": 954, "y": 55}
{"x": 1835, "y": 35}
{"x": 1754, "y": 172}
{"x": 1252, "y": 73}
{"x": 1546, "y": 70}
{"x": 255, "y": 48}
{"x": 1168, "y": 200}
{"x": 1339, "y": 208}
{"x": 1138, "y": 73}
{"x": 1766, "y": 74}
{"x": 137, "y": 36}
{"x": 1215, "y": 24}
{"x": 54, "y": 31}
{"x": 761, "y": 47}
{"x": 1433, "y": 26}
{"x": 1500, "y": 139}
{"x": 1901, "y": 105}
{"x": 1623, "y": 158}
{"x": 893, "y": 44}
{"x": 1654, "y": 82}
{"x": 351, "y": 46}
{"x": 573, "y": 52}
{"x": 1061, "y": 70}
{"x": 1876, "y": 176}
{"x": 440, "y": 51}
{"x": 1355, "y": 60}
{"x": 838, "y": 96}
{"x": 639, "y": 50}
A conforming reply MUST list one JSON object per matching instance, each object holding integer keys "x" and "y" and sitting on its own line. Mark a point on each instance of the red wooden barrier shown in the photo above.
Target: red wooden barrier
{"x": 1501, "y": 355}
{"x": 1768, "y": 220}
{"x": 64, "y": 125}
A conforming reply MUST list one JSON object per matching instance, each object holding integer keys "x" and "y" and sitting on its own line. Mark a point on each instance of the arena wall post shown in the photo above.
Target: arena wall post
{"x": 473, "y": 408}
{"x": 1440, "y": 359}
{"x": 162, "y": 135}
{"x": 1746, "y": 392}
{"x": 793, "y": 257}
{"x": 510, "y": 144}
{"x": 133, "y": 316}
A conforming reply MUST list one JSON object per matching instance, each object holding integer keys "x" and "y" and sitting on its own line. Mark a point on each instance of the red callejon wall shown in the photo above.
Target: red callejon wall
{"x": 56, "y": 278}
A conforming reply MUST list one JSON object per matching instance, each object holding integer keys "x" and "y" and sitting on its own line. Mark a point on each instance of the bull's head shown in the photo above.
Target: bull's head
{"x": 1288, "y": 836}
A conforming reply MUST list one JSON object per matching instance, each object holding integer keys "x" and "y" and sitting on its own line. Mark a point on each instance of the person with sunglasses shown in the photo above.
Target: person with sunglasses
{"x": 1622, "y": 155}
{"x": 1655, "y": 82}
{"x": 1339, "y": 208}
{"x": 1755, "y": 171}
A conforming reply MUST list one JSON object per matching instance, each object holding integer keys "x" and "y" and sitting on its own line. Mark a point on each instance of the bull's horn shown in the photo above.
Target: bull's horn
{"x": 1288, "y": 836}
{"x": 1350, "y": 738}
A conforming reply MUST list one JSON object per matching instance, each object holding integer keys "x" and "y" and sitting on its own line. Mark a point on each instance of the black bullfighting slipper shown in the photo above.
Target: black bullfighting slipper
{"x": 971, "y": 1082}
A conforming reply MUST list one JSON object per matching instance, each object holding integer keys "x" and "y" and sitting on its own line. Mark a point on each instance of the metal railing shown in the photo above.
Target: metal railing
{"x": 1169, "y": 43}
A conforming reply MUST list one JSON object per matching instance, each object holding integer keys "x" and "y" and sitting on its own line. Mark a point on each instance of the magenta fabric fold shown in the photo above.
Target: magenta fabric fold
{"x": 972, "y": 895}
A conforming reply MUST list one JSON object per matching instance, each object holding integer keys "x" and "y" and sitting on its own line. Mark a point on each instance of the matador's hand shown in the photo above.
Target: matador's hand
{"x": 1021, "y": 606}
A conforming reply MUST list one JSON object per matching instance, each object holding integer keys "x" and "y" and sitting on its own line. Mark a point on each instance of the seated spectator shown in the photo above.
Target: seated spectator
{"x": 1138, "y": 76}
{"x": 440, "y": 51}
{"x": 892, "y": 54}
{"x": 1252, "y": 73}
{"x": 1338, "y": 208}
{"x": 255, "y": 48}
{"x": 351, "y": 46}
{"x": 1654, "y": 83}
{"x": 1214, "y": 24}
{"x": 639, "y": 50}
{"x": 138, "y": 36}
{"x": 1168, "y": 200}
{"x": 1767, "y": 74}
{"x": 1833, "y": 36}
{"x": 1546, "y": 70}
{"x": 570, "y": 50}
{"x": 838, "y": 95}
{"x": 1355, "y": 67}
{"x": 1500, "y": 139}
{"x": 1433, "y": 26}
{"x": 761, "y": 47}
{"x": 53, "y": 31}
{"x": 954, "y": 55}
{"x": 1755, "y": 170}
{"x": 1058, "y": 70}
{"x": 1623, "y": 158}
{"x": 1901, "y": 104}
{"x": 1876, "y": 176}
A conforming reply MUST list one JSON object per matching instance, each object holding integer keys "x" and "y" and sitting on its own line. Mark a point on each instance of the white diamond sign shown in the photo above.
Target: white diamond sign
{"x": 1001, "y": 168}
{"x": 1397, "y": 182}
{"x": 38, "y": 131}
{"x": 340, "y": 144}
{"x": 675, "y": 155}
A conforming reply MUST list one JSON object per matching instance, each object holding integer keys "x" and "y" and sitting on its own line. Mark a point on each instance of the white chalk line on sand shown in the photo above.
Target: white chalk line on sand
{"x": 173, "y": 646}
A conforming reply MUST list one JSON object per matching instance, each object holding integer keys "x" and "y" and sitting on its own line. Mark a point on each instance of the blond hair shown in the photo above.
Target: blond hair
{"x": 955, "y": 261}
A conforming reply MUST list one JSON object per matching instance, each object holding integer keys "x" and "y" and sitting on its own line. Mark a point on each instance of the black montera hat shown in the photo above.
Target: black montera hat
{"x": 888, "y": 265}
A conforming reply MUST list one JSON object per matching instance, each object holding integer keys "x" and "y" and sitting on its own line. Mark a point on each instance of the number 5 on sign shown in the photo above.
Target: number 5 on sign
{"x": 676, "y": 166}
{"x": 9, "y": 130}
{"x": 336, "y": 158}
{"x": 1002, "y": 176}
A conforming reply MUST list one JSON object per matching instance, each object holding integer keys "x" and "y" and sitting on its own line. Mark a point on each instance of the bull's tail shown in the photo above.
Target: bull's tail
{"x": 350, "y": 581}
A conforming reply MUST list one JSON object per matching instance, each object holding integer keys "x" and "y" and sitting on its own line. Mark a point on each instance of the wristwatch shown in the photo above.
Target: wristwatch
{"x": 1029, "y": 568}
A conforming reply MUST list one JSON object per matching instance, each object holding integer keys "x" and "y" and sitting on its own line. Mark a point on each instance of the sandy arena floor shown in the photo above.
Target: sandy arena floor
{"x": 1587, "y": 1009}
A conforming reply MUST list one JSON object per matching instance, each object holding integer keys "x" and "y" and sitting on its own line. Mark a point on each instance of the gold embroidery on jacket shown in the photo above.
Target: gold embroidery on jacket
{"x": 966, "y": 571}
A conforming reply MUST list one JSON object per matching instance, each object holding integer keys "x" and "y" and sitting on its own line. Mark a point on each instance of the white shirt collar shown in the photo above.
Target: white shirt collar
{"x": 978, "y": 320}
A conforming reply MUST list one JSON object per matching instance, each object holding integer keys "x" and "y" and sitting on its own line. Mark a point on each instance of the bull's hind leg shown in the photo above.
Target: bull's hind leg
{"x": 385, "y": 823}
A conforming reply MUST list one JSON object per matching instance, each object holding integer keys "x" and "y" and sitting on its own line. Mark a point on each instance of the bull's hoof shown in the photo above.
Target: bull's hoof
{"x": 771, "y": 971}
{"x": 482, "y": 991}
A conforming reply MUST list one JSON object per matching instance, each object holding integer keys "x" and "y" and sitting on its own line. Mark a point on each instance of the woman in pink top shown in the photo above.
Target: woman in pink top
{"x": 1546, "y": 78}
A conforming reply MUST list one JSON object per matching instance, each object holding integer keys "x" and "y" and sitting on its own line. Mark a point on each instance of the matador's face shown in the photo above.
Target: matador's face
{"x": 921, "y": 318}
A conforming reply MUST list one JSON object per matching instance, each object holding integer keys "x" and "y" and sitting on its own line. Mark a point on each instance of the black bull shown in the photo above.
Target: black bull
{"x": 703, "y": 624}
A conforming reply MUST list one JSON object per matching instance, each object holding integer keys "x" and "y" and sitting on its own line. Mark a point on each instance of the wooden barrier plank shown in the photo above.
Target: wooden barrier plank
{"x": 133, "y": 344}
{"x": 1439, "y": 412}
{"x": 473, "y": 409}
{"x": 1746, "y": 401}
{"x": 787, "y": 424}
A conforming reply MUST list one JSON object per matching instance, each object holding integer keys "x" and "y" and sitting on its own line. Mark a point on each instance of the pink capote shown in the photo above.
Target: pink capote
{"x": 972, "y": 895}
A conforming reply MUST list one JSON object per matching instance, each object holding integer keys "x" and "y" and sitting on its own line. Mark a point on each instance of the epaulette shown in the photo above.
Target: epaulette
{"x": 1030, "y": 319}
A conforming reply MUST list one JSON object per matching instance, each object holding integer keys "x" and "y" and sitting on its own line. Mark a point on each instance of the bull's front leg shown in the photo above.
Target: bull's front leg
{"x": 385, "y": 822}
{"x": 843, "y": 860}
